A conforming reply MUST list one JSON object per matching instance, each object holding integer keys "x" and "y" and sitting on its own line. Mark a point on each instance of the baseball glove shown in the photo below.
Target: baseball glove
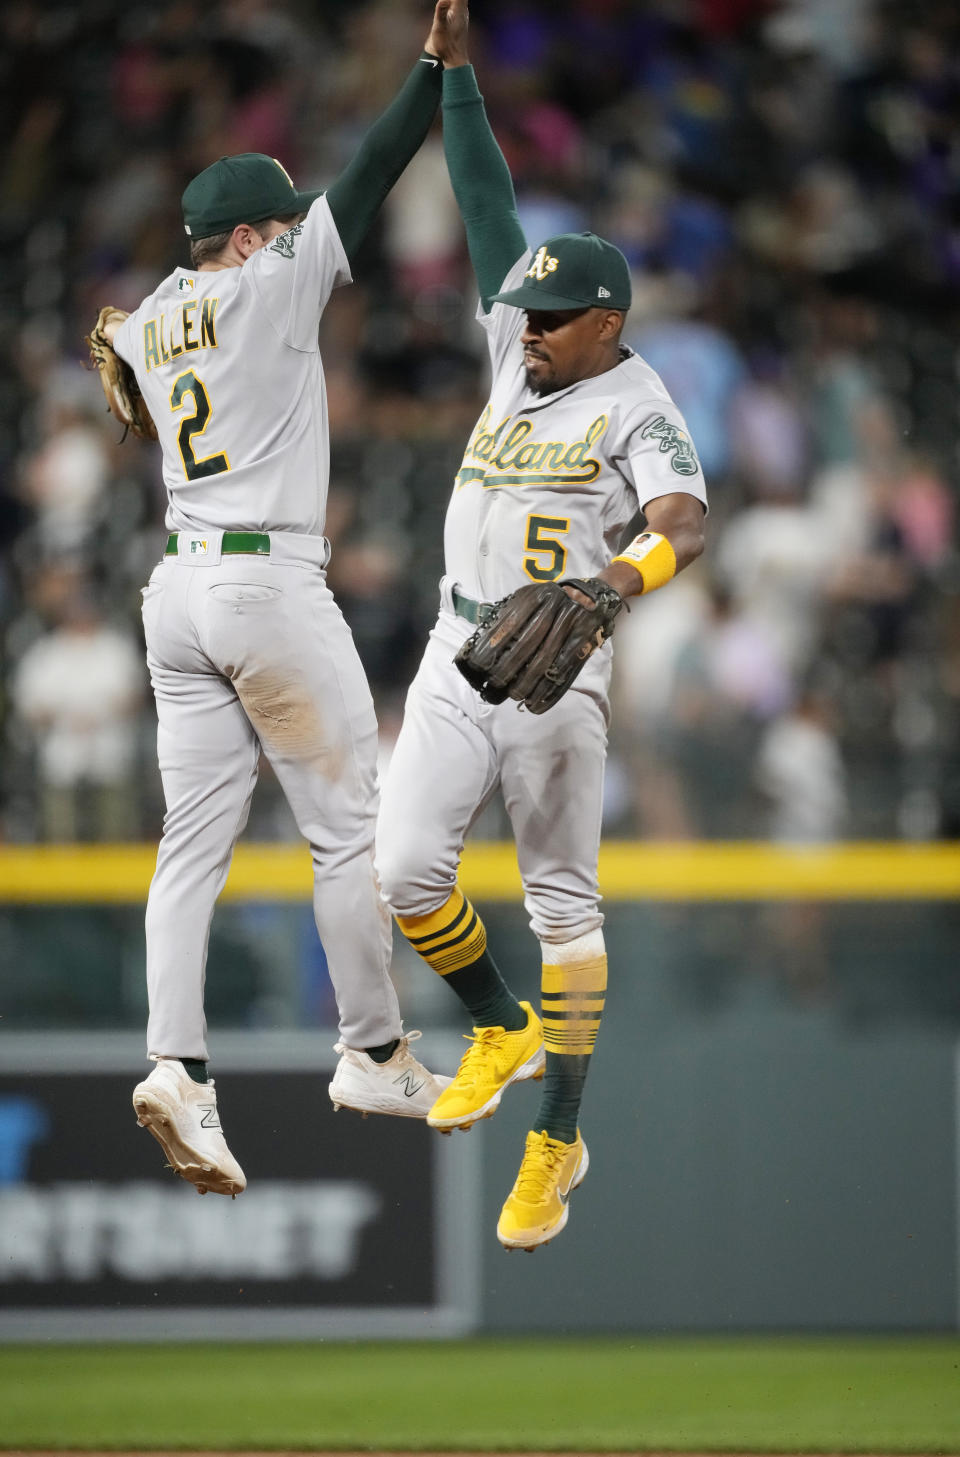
{"x": 118, "y": 379}
{"x": 535, "y": 642}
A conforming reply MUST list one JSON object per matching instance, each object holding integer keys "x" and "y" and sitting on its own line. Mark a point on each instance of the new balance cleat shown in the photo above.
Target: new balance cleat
{"x": 401, "y": 1087}
{"x": 495, "y": 1059}
{"x": 182, "y": 1116}
{"x": 536, "y": 1209}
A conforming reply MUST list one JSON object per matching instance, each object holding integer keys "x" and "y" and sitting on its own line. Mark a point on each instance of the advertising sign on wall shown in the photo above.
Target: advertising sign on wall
{"x": 348, "y": 1225}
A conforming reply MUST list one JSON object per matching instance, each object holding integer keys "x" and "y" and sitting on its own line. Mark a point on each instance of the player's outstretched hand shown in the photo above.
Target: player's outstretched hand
{"x": 448, "y": 34}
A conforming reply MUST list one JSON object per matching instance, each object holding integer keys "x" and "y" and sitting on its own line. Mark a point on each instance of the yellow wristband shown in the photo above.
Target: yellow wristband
{"x": 653, "y": 557}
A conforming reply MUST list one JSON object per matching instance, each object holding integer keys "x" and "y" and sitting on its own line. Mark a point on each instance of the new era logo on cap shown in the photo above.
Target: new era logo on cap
{"x": 573, "y": 271}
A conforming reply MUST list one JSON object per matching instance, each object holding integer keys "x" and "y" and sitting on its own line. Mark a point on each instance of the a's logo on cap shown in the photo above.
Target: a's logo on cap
{"x": 542, "y": 266}
{"x": 285, "y": 173}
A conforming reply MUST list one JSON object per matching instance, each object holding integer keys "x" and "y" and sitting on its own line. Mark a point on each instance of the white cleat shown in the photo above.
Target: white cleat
{"x": 401, "y": 1086}
{"x": 182, "y": 1116}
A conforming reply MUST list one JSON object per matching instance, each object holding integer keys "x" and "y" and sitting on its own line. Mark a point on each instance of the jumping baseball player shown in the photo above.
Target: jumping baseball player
{"x": 578, "y": 435}
{"x": 246, "y": 647}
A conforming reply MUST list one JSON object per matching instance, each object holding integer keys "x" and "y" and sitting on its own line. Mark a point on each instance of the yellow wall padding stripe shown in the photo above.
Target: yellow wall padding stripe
{"x": 629, "y": 871}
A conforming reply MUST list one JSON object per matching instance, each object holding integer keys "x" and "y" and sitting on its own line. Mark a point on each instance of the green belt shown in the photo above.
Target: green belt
{"x": 476, "y": 612}
{"x": 250, "y": 543}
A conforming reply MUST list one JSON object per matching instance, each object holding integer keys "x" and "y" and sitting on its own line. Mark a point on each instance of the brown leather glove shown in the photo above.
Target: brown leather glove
{"x": 119, "y": 382}
{"x": 535, "y": 642}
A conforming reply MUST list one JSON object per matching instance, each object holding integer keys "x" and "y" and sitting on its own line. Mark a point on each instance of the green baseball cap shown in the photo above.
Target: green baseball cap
{"x": 573, "y": 271}
{"x": 243, "y": 189}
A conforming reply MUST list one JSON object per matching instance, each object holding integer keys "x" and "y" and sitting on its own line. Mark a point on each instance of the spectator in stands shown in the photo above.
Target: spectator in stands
{"x": 78, "y": 690}
{"x": 801, "y": 774}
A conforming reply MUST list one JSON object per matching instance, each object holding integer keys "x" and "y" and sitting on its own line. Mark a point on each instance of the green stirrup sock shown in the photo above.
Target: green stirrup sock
{"x": 486, "y": 996}
{"x": 384, "y": 1052}
{"x": 573, "y": 991}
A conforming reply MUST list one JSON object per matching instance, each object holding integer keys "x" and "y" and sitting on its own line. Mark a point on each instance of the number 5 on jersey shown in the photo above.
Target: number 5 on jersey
{"x": 549, "y": 556}
{"x": 207, "y": 465}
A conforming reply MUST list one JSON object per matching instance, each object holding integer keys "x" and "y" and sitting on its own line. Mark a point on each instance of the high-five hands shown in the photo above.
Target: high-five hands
{"x": 448, "y": 34}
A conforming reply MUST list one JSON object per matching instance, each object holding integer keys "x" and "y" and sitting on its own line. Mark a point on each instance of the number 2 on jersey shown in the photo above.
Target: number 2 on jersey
{"x": 542, "y": 533}
{"x": 195, "y": 424}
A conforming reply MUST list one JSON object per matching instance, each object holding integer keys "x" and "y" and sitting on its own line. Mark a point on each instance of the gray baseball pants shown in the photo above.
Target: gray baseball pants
{"x": 248, "y": 652}
{"x": 453, "y": 752}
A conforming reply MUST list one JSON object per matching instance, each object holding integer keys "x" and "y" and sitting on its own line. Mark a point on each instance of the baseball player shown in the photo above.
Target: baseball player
{"x": 578, "y": 435}
{"x": 246, "y": 647}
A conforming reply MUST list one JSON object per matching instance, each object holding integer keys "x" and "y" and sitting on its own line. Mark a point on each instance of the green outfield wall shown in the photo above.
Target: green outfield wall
{"x": 771, "y": 1112}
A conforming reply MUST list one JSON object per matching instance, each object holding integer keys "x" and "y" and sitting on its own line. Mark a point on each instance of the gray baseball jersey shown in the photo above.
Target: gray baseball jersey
{"x": 229, "y": 365}
{"x": 549, "y": 483}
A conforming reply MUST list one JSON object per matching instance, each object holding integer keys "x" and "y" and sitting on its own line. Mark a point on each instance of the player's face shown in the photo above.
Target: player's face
{"x": 562, "y": 346}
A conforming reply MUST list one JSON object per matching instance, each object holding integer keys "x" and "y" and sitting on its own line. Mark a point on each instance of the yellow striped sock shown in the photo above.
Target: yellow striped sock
{"x": 572, "y": 997}
{"x": 450, "y": 938}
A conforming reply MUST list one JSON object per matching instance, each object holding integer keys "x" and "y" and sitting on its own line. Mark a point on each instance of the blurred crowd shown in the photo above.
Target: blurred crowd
{"x": 784, "y": 177}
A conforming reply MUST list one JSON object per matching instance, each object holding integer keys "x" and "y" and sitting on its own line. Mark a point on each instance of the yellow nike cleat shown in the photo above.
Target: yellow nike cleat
{"x": 495, "y": 1059}
{"x": 536, "y": 1208}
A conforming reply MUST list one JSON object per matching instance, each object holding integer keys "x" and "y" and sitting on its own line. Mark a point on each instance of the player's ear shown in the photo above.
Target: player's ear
{"x": 246, "y": 239}
{"x": 610, "y": 323}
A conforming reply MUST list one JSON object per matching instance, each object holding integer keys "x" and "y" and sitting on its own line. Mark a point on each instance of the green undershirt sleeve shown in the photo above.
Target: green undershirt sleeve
{"x": 357, "y": 195}
{"x": 481, "y": 183}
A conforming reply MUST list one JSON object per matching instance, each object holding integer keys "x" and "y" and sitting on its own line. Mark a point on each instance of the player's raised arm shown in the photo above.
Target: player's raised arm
{"x": 357, "y": 195}
{"x": 479, "y": 174}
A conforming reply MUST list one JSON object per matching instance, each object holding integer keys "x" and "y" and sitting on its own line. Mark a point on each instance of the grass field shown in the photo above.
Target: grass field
{"x": 695, "y": 1395}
